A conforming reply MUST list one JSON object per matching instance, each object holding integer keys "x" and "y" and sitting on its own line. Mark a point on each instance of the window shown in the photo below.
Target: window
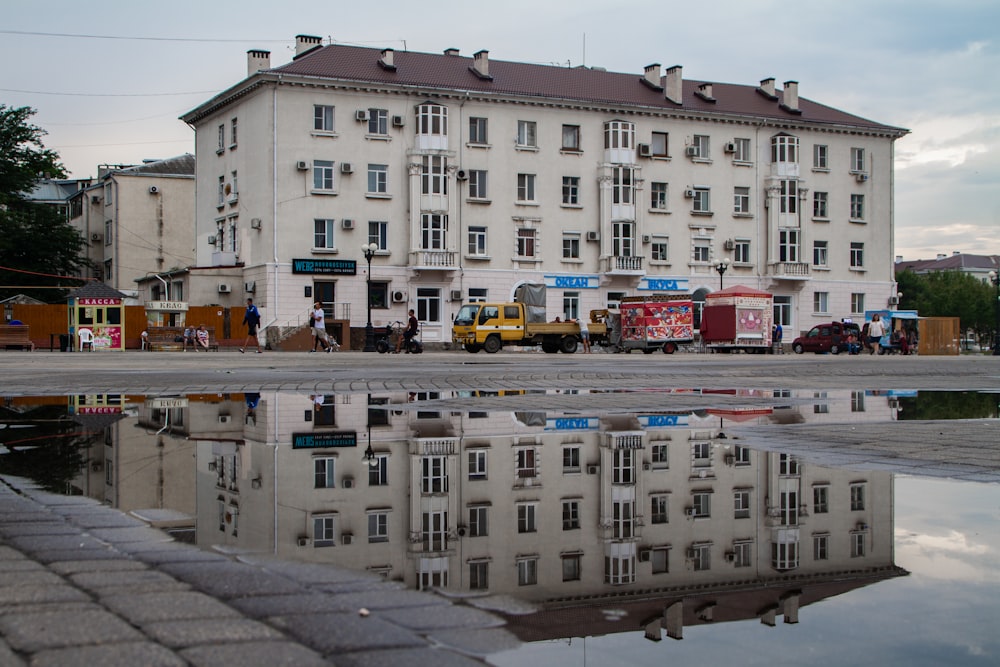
{"x": 702, "y": 202}
{"x": 742, "y": 554}
{"x": 788, "y": 245}
{"x": 623, "y": 463}
{"x": 429, "y": 304}
{"x": 820, "y": 257}
{"x": 571, "y": 569}
{"x": 526, "y": 518}
{"x": 857, "y": 207}
{"x": 323, "y": 175}
{"x": 378, "y": 178}
{"x": 857, "y": 497}
{"x": 478, "y": 130}
{"x": 857, "y": 544}
{"x": 479, "y": 575}
{"x": 571, "y": 515}
{"x": 784, "y": 148}
{"x": 701, "y": 557}
{"x": 323, "y": 471}
{"x": 477, "y": 464}
{"x": 477, "y": 241}
{"x": 660, "y": 560}
{"x": 324, "y": 530}
{"x": 660, "y": 454}
{"x": 525, "y": 462}
{"x": 378, "y": 121}
{"x": 571, "y": 246}
{"x": 659, "y": 512}
{"x": 571, "y": 458}
{"x": 621, "y": 186}
{"x": 788, "y": 466}
{"x": 378, "y": 526}
{"x": 659, "y": 249}
{"x": 659, "y": 144}
{"x": 526, "y": 134}
{"x": 527, "y": 571}
{"x": 478, "y": 520}
{"x": 234, "y": 186}
{"x": 702, "y": 252}
{"x": 433, "y": 169}
{"x": 702, "y": 504}
{"x": 658, "y": 196}
{"x": 571, "y": 190}
{"x": 783, "y": 310}
{"x": 571, "y": 305}
{"x": 741, "y": 504}
{"x": 433, "y": 474}
{"x": 788, "y": 197}
{"x": 741, "y": 456}
{"x": 623, "y": 239}
{"x": 742, "y": 150}
{"x": 741, "y": 200}
{"x": 821, "y": 499}
{"x": 323, "y": 118}
{"x": 222, "y": 138}
{"x": 619, "y": 134}
{"x": 432, "y": 119}
{"x": 741, "y": 251}
{"x": 857, "y": 255}
{"x": 525, "y": 246}
{"x": 323, "y": 233}
{"x": 525, "y": 187}
{"x": 820, "y": 302}
{"x": 820, "y": 205}
{"x": 378, "y": 470}
{"x": 858, "y": 401}
{"x": 434, "y": 530}
{"x": 433, "y": 229}
{"x": 821, "y": 156}
{"x": 378, "y": 231}
{"x": 702, "y": 146}
{"x": 622, "y": 519}
{"x": 233, "y": 126}
{"x": 857, "y": 160}
{"x": 571, "y": 137}
{"x": 220, "y": 201}
{"x": 821, "y": 547}
{"x": 109, "y": 229}
{"x": 857, "y": 303}
{"x": 477, "y": 184}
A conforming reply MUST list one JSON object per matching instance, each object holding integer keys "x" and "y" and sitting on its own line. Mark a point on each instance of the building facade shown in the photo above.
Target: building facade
{"x": 471, "y": 177}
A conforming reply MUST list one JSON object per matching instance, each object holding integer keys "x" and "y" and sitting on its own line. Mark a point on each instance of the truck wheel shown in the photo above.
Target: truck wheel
{"x": 567, "y": 344}
{"x": 473, "y": 347}
{"x": 648, "y": 350}
{"x": 492, "y": 345}
{"x": 834, "y": 349}
{"x": 669, "y": 348}
{"x": 797, "y": 348}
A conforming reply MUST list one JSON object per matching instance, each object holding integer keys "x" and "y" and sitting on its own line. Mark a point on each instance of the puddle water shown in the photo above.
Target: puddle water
{"x": 598, "y": 535}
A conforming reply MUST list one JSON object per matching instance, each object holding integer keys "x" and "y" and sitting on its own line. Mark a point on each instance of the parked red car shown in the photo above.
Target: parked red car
{"x": 832, "y": 337}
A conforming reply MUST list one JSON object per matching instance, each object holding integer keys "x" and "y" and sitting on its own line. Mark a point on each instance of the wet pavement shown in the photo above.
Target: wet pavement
{"x": 82, "y": 583}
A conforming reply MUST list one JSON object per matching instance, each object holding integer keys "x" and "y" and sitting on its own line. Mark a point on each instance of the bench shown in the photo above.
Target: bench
{"x": 164, "y": 339}
{"x": 15, "y": 336}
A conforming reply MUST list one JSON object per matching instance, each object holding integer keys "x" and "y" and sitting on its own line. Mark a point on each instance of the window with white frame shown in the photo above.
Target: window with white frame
{"x": 432, "y": 119}
{"x": 820, "y": 253}
{"x": 623, "y": 466}
{"x": 571, "y": 245}
{"x": 222, "y": 138}
{"x": 701, "y": 454}
{"x": 784, "y": 555}
{"x": 378, "y": 121}
{"x": 477, "y": 464}
{"x": 614, "y": 299}
{"x": 378, "y": 179}
{"x": 658, "y": 196}
{"x": 741, "y": 200}
{"x": 857, "y": 303}
{"x": 324, "y": 530}
{"x": 784, "y": 148}
{"x": 525, "y": 188}
{"x": 788, "y": 245}
{"x": 741, "y": 456}
{"x": 477, "y": 241}
{"x": 323, "y": 233}
{"x": 702, "y": 202}
{"x": 821, "y": 208}
{"x": 434, "y": 530}
{"x": 857, "y": 497}
{"x": 660, "y": 559}
{"x": 701, "y": 252}
{"x": 821, "y": 547}
{"x": 623, "y": 239}
{"x": 742, "y": 554}
{"x": 527, "y": 134}
{"x": 571, "y": 305}
{"x": 378, "y": 526}
{"x": 702, "y": 146}
{"x": 858, "y": 397}
{"x": 741, "y": 251}
{"x": 571, "y": 458}
{"x": 323, "y": 472}
{"x": 433, "y": 171}
{"x": 702, "y": 504}
{"x": 233, "y": 128}
{"x": 524, "y": 463}
{"x": 622, "y": 518}
{"x": 221, "y": 200}
{"x": 477, "y": 184}
{"x": 525, "y": 243}
{"x": 857, "y": 544}
{"x": 622, "y": 186}
{"x": 323, "y": 175}
{"x": 742, "y": 153}
{"x": 788, "y": 197}
{"x": 701, "y": 557}
{"x": 619, "y": 568}
{"x": 526, "y": 518}
{"x": 571, "y": 190}
{"x": 783, "y": 310}
{"x": 231, "y": 238}
{"x": 433, "y": 231}
{"x": 429, "y": 304}
{"x": 378, "y": 231}
{"x": 741, "y": 504}
{"x": 821, "y": 302}
{"x": 821, "y": 156}
{"x": 788, "y": 465}
{"x": 478, "y": 294}
{"x": 821, "y": 499}
{"x": 433, "y": 474}
{"x": 478, "y": 130}
{"x": 571, "y": 514}
{"x": 619, "y": 134}
{"x": 660, "y": 455}
{"x": 571, "y": 138}
{"x": 857, "y": 255}
{"x": 479, "y": 520}
{"x": 857, "y": 207}
{"x": 323, "y": 118}
{"x": 857, "y": 160}
{"x": 527, "y": 571}
{"x": 378, "y": 470}
{"x": 572, "y": 570}
{"x": 234, "y": 185}
{"x": 660, "y": 508}
{"x": 659, "y": 248}
{"x": 659, "y": 144}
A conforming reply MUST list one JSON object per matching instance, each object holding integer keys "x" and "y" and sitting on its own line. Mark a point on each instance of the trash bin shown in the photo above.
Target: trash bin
{"x": 64, "y": 342}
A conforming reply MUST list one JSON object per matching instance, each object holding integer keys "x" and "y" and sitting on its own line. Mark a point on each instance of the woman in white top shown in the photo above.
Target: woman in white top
{"x": 319, "y": 328}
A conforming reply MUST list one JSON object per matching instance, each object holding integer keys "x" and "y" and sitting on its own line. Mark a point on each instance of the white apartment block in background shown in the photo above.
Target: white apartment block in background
{"x": 473, "y": 176}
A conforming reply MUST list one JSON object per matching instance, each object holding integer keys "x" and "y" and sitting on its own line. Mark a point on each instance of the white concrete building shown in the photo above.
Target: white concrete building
{"x": 472, "y": 176}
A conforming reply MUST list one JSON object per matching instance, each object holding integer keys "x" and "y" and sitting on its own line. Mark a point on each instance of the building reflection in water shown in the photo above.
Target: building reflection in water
{"x": 659, "y": 517}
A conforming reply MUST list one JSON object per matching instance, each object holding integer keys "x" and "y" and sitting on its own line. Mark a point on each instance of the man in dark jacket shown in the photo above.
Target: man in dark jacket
{"x": 251, "y": 318}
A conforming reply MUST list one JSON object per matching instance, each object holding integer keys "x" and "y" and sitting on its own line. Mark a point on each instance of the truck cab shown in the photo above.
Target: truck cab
{"x": 488, "y": 325}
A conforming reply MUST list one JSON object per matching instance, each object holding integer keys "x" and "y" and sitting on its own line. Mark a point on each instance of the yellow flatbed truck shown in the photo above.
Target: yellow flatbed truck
{"x": 490, "y": 326}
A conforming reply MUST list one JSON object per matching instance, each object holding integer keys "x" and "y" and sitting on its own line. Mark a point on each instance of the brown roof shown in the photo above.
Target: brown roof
{"x": 548, "y": 82}
{"x": 953, "y": 262}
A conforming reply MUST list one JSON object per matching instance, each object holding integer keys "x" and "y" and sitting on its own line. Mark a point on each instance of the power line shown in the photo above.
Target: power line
{"x": 130, "y": 37}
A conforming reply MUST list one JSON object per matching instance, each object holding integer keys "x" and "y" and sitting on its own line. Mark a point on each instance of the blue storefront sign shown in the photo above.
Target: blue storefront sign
{"x": 343, "y": 267}
{"x": 572, "y": 424}
{"x": 572, "y": 282}
{"x": 648, "y": 284}
{"x": 319, "y": 440}
{"x": 661, "y": 421}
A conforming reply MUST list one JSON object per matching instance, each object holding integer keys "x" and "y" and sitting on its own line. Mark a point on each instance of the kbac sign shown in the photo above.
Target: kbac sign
{"x": 167, "y": 305}
{"x": 319, "y": 440}
{"x": 344, "y": 267}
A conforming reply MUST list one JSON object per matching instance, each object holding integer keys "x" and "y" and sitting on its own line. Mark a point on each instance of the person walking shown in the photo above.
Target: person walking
{"x": 584, "y": 335}
{"x": 251, "y": 318}
{"x": 875, "y": 332}
{"x": 320, "y": 336}
{"x": 411, "y": 330}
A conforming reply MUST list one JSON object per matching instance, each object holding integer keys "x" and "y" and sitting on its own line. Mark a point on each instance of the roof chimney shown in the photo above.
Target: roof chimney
{"x": 941, "y": 255}
{"x": 673, "y": 89}
{"x": 451, "y": 52}
{"x": 899, "y": 258}
{"x": 385, "y": 62}
{"x": 704, "y": 91}
{"x": 652, "y": 75}
{"x": 791, "y": 95}
{"x": 481, "y": 64}
{"x": 257, "y": 60}
{"x": 767, "y": 88}
{"x": 304, "y": 43}
{"x": 955, "y": 253}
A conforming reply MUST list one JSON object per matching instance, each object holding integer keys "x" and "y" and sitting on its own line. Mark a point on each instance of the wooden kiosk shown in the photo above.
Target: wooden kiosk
{"x": 96, "y": 315}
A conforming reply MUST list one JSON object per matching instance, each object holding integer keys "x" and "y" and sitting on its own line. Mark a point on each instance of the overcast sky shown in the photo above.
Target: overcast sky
{"x": 110, "y": 80}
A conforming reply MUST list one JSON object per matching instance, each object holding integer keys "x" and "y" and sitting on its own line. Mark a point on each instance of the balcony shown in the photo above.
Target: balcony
{"x": 433, "y": 260}
{"x": 789, "y": 270}
{"x": 622, "y": 265}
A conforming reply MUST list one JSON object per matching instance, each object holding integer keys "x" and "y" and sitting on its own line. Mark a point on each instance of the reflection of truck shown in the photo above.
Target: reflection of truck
{"x": 490, "y": 326}
{"x": 653, "y": 322}
{"x": 737, "y": 318}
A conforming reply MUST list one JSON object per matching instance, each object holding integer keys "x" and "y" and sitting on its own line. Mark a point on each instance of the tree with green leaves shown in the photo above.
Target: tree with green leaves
{"x": 36, "y": 243}
{"x": 950, "y": 294}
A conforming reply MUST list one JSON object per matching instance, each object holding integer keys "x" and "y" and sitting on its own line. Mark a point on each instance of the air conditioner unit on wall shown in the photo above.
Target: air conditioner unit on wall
{"x": 398, "y": 297}
{"x": 456, "y": 295}
{"x": 691, "y": 151}
{"x": 398, "y": 121}
{"x": 304, "y": 541}
{"x": 153, "y": 190}
{"x": 347, "y": 223}
{"x": 461, "y": 175}
{"x": 224, "y": 419}
{"x": 893, "y": 300}
{"x": 346, "y": 168}
{"x": 730, "y": 147}
{"x": 225, "y": 288}
{"x": 593, "y": 236}
{"x": 347, "y": 483}
{"x": 592, "y": 470}
{"x": 95, "y": 237}
{"x": 645, "y": 150}
{"x": 862, "y": 177}
{"x": 346, "y": 538}
{"x": 646, "y": 238}
{"x": 689, "y": 194}
{"x": 302, "y": 165}
{"x": 730, "y": 244}
{"x": 255, "y": 223}
{"x": 361, "y": 114}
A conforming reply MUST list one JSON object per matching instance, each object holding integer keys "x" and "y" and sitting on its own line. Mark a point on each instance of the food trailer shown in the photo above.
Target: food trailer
{"x": 737, "y": 318}
{"x": 96, "y": 316}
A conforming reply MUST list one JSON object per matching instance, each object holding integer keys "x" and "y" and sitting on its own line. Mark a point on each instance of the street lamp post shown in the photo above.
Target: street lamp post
{"x": 369, "y": 250}
{"x": 995, "y": 279}
{"x": 721, "y": 268}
